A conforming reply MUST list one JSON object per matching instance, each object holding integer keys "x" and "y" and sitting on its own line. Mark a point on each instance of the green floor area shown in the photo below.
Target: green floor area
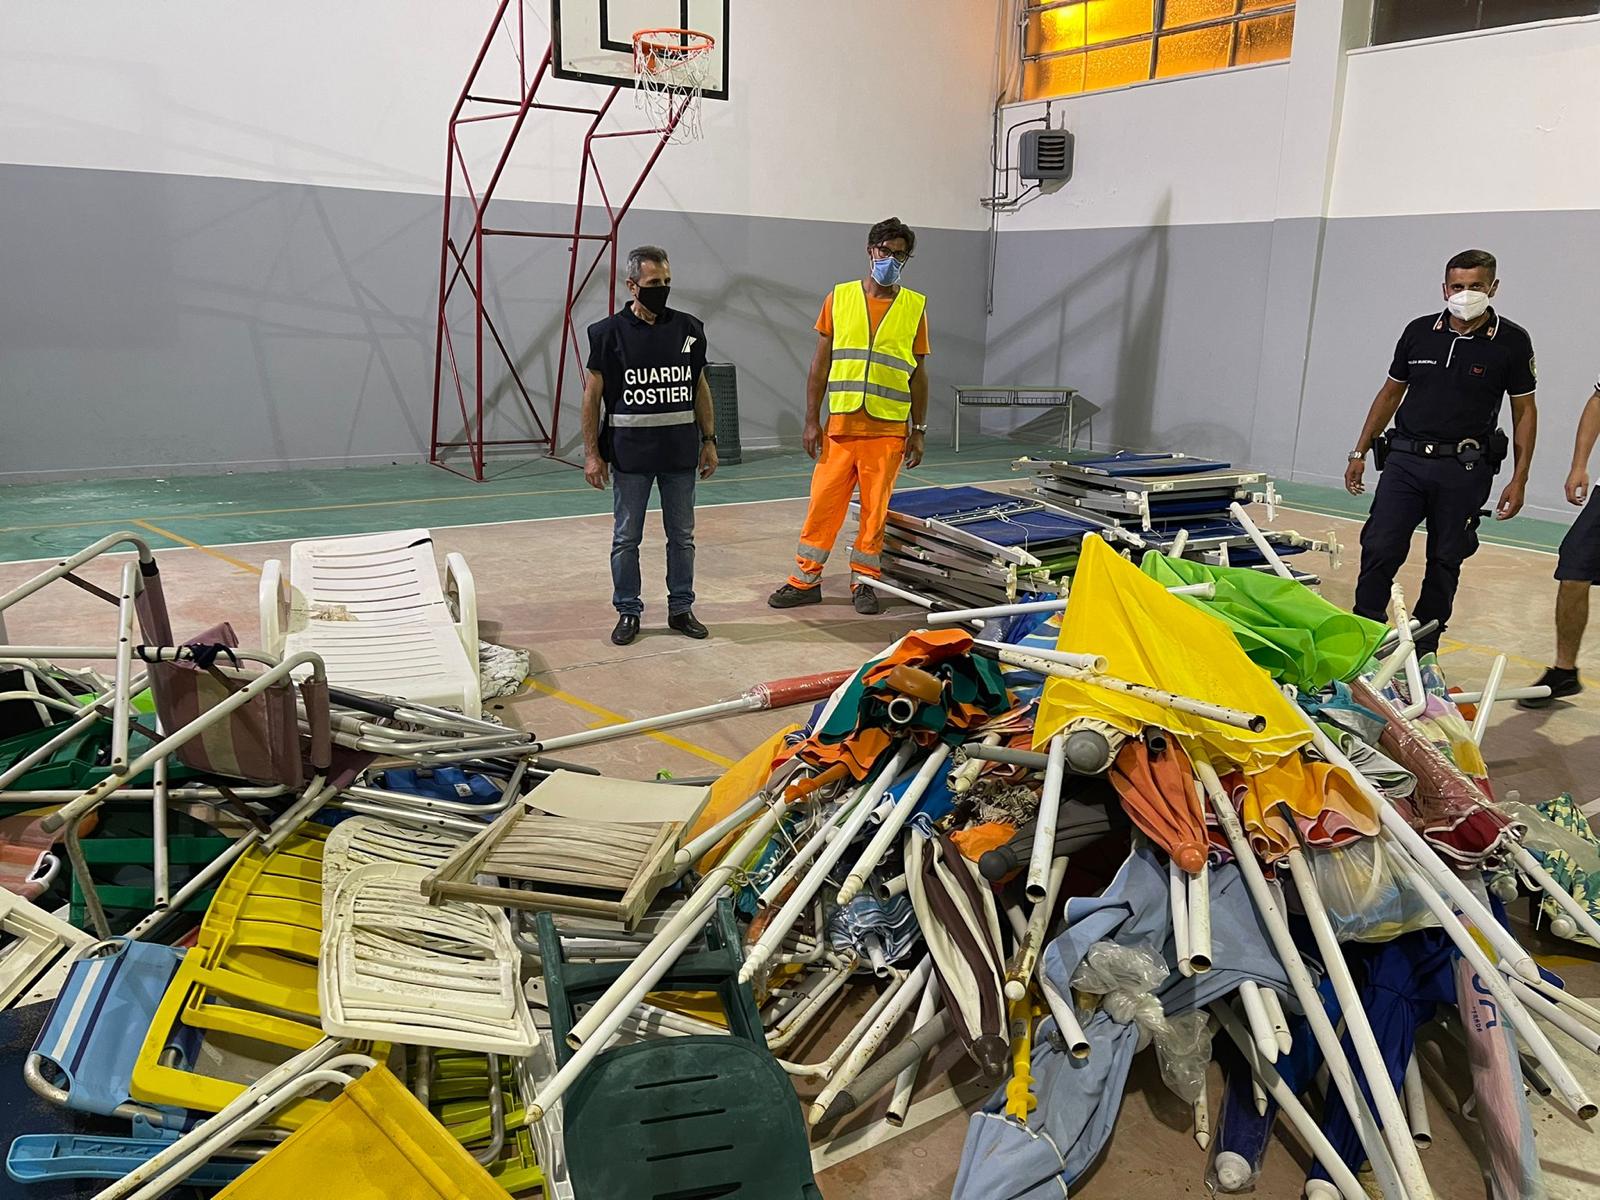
{"x": 47, "y": 520}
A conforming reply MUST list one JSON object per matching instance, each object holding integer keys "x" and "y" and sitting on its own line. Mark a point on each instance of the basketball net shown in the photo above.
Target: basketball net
{"x": 670, "y": 68}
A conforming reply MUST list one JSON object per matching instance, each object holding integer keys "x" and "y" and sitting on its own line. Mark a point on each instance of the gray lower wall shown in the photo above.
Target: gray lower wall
{"x": 1265, "y": 343}
{"x": 177, "y": 323}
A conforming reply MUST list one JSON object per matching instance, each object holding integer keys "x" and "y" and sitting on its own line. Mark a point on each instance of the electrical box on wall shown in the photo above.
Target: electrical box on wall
{"x": 1046, "y": 155}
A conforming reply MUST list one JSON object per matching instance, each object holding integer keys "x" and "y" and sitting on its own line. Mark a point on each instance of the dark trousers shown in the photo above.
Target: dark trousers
{"x": 630, "y": 497}
{"x": 1413, "y": 489}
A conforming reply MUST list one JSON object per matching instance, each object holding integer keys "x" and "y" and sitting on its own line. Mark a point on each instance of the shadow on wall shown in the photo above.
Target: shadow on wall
{"x": 1132, "y": 324}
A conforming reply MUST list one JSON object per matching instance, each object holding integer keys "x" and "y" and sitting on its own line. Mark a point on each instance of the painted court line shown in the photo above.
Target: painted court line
{"x": 614, "y": 718}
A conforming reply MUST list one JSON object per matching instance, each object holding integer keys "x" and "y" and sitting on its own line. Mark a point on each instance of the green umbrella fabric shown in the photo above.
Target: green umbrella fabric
{"x": 1284, "y": 627}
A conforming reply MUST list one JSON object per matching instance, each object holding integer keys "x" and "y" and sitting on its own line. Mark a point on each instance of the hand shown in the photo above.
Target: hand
{"x": 708, "y": 459}
{"x": 1510, "y": 500}
{"x": 1577, "y": 485}
{"x": 913, "y": 451}
{"x": 1352, "y": 476}
{"x": 595, "y": 472}
{"x": 811, "y": 439}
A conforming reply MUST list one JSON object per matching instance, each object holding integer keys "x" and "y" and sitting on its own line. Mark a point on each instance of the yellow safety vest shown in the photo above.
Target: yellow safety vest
{"x": 873, "y": 369}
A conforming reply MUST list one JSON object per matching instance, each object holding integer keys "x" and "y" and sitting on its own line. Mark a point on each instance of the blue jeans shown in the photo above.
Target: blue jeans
{"x": 630, "y": 497}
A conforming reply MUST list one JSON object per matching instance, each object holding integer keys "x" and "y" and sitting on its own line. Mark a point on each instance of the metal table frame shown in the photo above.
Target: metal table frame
{"x": 975, "y": 396}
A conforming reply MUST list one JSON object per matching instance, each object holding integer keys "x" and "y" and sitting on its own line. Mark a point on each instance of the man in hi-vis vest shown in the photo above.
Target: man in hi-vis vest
{"x": 872, "y": 338}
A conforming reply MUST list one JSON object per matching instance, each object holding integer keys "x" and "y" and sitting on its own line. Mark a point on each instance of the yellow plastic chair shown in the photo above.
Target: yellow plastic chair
{"x": 374, "y": 1142}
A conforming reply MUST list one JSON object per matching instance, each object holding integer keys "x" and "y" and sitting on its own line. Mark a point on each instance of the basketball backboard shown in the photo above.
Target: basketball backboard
{"x": 593, "y": 39}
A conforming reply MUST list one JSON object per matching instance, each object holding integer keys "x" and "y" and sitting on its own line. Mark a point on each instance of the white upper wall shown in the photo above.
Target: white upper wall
{"x": 1200, "y": 149}
{"x": 357, "y": 93}
{"x": 1528, "y": 140}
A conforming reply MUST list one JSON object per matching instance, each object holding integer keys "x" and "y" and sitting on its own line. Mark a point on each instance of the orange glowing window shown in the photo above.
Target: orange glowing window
{"x": 1073, "y": 46}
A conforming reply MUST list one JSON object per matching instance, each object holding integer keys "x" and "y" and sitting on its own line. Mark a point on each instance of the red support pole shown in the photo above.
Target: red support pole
{"x": 468, "y": 254}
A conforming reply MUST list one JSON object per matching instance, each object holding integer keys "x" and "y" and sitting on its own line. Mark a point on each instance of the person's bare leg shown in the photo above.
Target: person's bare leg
{"x": 1572, "y": 616}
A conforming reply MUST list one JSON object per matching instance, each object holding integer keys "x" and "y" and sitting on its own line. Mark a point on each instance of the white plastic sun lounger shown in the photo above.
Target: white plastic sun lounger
{"x": 374, "y": 609}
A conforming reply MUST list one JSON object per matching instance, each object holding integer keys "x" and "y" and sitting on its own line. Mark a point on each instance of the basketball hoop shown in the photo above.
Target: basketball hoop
{"x": 670, "y": 69}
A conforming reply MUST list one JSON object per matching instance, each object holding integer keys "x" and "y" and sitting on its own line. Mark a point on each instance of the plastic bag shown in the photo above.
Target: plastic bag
{"x": 1366, "y": 899}
{"x": 1126, "y": 978}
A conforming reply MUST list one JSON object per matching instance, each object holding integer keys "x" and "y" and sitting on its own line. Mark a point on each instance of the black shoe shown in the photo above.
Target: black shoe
{"x": 1561, "y": 682}
{"x": 685, "y": 624}
{"x": 627, "y": 629}
{"x": 789, "y": 596}
{"x": 865, "y": 600}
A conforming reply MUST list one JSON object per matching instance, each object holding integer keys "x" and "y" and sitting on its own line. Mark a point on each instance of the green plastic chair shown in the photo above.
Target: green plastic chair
{"x": 683, "y": 1118}
{"x": 80, "y": 763}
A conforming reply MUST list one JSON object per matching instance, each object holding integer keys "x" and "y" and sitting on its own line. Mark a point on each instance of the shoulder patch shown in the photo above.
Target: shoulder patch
{"x": 1533, "y": 367}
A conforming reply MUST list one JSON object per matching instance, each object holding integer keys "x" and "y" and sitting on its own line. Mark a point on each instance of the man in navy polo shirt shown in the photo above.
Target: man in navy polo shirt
{"x": 647, "y": 421}
{"x": 1451, "y": 371}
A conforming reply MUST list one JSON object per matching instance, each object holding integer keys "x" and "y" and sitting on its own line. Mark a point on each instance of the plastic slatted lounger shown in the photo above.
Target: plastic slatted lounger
{"x": 374, "y": 609}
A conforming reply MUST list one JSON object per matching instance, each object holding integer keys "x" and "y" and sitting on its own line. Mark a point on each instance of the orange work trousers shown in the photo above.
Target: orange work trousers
{"x": 846, "y": 463}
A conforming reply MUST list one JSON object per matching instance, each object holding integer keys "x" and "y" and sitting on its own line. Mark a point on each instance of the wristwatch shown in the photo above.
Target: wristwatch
{"x": 919, "y": 429}
{"x": 1356, "y": 456}
{"x": 708, "y": 437}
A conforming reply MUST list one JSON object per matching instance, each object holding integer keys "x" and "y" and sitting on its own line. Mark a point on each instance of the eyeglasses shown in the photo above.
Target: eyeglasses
{"x": 900, "y": 256}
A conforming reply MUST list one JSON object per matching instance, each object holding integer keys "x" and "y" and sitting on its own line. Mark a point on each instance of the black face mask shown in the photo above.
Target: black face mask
{"x": 654, "y": 297}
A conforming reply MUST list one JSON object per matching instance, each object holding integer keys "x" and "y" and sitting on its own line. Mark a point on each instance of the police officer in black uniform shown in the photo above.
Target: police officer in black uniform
{"x": 647, "y": 420}
{"x": 1450, "y": 372}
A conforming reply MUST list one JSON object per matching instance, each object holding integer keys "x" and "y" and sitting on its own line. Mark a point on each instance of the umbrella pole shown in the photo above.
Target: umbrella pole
{"x": 820, "y": 837}
{"x": 1044, "y": 828}
{"x": 1280, "y": 1022}
{"x": 1425, "y": 859}
{"x": 964, "y": 776}
{"x": 780, "y": 925}
{"x": 1534, "y": 870}
{"x": 1404, "y": 646}
{"x": 1511, "y": 1009}
{"x": 892, "y": 824}
{"x": 1027, "y": 959}
{"x": 1260, "y": 540}
{"x": 1200, "y": 920}
{"x": 693, "y": 851}
{"x": 1560, "y": 996}
{"x": 1338, "y": 1067}
{"x": 1255, "y": 1012}
{"x": 1066, "y": 1020}
{"x": 1201, "y": 1108}
{"x": 1359, "y": 1029}
{"x": 906, "y": 991}
{"x": 1564, "y": 1021}
{"x": 1417, "y": 1105}
{"x": 1292, "y": 1109}
{"x": 1491, "y": 689}
{"x": 826, "y": 1068}
{"x": 817, "y": 997}
{"x": 906, "y": 1081}
{"x": 1178, "y": 901}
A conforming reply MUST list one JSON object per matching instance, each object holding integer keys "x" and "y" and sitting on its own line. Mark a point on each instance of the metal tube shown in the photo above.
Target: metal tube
{"x": 1083, "y": 662}
{"x": 1027, "y": 957}
{"x": 1280, "y": 1022}
{"x": 906, "y": 1081}
{"x": 1288, "y": 953}
{"x": 1404, "y": 646}
{"x": 1260, "y": 540}
{"x": 960, "y": 615}
{"x": 1178, "y": 904}
{"x": 161, "y": 884}
{"x": 1491, "y": 689}
{"x": 1540, "y": 692}
{"x": 589, "y": 737}
{"x": 756, "y": 958}
{"x": 696, "y": 848}
{"x": 1044, "y": 830}
{"x": 1530, "y": 866}
{"x": 1066, "y": 1020}
{"x": 68, "y": 565}
{"x": 1031, "y": 759}
{"x": 890, "y": 829}
{"x": 1200, "y": 920}
{"x": 1254, "y": 722}
{"x": 908, "y": 990}
{"x": 122, "y": 698}
{"x": 1255, "y": 1012}
{"x": 821, "y": 835}
{"x": 1417, "y": 1105}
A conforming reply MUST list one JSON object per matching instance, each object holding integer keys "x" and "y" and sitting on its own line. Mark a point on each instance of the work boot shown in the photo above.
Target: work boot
{"x": 1561, "y": 681}
{"x": 789, "y": 596}
{"x": 627, "y": 629}
{"x": 685, "y": 624}
{"x": 865, "y": 601}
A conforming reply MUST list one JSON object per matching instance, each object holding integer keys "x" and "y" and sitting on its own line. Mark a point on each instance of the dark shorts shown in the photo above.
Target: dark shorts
{"x": 1579, "y": 559}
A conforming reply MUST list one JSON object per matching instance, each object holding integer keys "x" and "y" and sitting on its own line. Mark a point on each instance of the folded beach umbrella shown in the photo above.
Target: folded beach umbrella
{"x": 1149, "y": 636}
{"x": 1157, "y": 790}
{"x": 1286, "y": 628}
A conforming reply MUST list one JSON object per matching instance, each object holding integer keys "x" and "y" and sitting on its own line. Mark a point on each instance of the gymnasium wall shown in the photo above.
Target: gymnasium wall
{"x": 219, "y": 224}
{"x": 1230, "y": 266}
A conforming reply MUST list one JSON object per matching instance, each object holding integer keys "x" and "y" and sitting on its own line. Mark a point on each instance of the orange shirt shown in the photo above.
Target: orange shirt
{"x": 861, "y": 423}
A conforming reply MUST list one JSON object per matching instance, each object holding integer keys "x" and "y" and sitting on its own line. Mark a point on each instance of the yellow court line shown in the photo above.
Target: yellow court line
{"x": 272, "y": 512}
{"x": 181, "y": 540}
{"x": 612, "y": 718}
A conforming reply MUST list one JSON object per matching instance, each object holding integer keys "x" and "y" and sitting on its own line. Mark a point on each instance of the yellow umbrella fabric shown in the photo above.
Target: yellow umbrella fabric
{"x": 1152, "y": 637}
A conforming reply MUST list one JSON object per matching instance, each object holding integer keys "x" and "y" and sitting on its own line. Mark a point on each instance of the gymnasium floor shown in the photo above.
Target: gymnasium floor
{"x": 537, "y": 540}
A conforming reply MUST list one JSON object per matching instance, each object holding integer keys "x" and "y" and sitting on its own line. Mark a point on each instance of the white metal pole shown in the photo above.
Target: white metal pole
{"x": 1255, "y": 1012}
{"x": 1417, "y": 1105}
{"x": 1359, "y": 1029}
{"x": 1200, "y": 920}
{"x": 909, "y": 990}
{"x": 1491, "y": 689}
{"x": 1260, "y": 540}
{"x": 825, "y": 831}
{"x": 1280, "y": 1022}
{"x": 1044, "y": 830}
{"x": 697, "y": 848}
{"x": 892, "y": 824}
{"x": 1027, "y": 957}
{"x": 123, "y": 698}
{"x": 1529, "y": 866}
{"x": 1083, "y": 662}
{"x": 905, "y": 1083}
{"x": 1178, "y": 902}
{"x": 1066, "y": 1020}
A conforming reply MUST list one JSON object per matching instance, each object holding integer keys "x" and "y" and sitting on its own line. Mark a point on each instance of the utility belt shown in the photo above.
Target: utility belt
{"x": 1490, "y": 450}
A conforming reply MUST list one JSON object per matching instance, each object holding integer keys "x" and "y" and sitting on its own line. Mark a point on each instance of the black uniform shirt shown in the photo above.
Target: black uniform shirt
{"x": 1456, "y": 381}
{"x": 651, "y": 372}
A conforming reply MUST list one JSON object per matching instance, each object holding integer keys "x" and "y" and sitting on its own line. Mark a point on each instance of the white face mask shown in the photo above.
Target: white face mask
{"x": 1468, "y": 305}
